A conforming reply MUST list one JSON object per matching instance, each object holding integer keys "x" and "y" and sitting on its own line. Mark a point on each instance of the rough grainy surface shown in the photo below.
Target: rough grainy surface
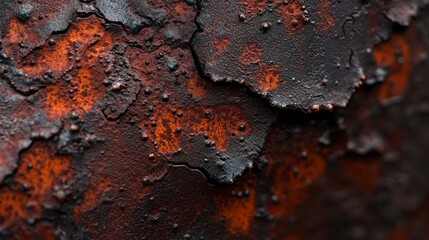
{"x": 111, "y": 125}
{"x": 302, "y": 55}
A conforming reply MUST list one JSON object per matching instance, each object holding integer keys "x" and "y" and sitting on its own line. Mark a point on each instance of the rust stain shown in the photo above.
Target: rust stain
{"x": 291, "y": 181}
{"x": 45, "y": 178}
{"x": 254, "y": 6}
{"x": 363, "y": 173}
{"x": 196, "y": 87}
{"x": 84, "y": 85}
{"x": 327, "y": 19}
{"x": 291, "y": 12}
{"x": 166, "y": 133}
{"x": 92, "y": 197}
{"x": 169, "y": 126}
{"x": 237, "y": 211}
{"x": 292, "y": 15}
{"x": 269, "y": 77}
{"x": 394, "y": 55}
{"x": 222, "y": 44}
{"x": 16, "y": 33}
{"x": 250, "y": 54}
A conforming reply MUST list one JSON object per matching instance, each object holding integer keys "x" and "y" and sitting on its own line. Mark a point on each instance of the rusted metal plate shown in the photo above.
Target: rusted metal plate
{"x": 96, "y": 65}
{"x": 298, "y": 54}
{"x": 108, "y": 130}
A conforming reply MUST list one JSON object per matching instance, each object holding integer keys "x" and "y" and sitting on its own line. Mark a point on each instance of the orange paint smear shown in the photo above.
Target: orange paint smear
{"x": 222, "y": 122}
{"x": 46, "y": 172}
{"x": 386, "y": 54}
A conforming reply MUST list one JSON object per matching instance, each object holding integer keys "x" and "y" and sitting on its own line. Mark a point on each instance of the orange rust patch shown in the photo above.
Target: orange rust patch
{"x": 253, "y": 6}
{"x": 165, "y": 132}
{"x": 363, "y": 173}
{"x": 217, "y": 122}
{"x": 75, "y": 53}
{"x": 223, "y": 121}
{"x": 91, "y": 199}
{"x": 327, "y": 20}
{"x": 394, "y": 54}
{"x": 250, "y": 54}
{"x": 86, "y": 77}
{"x": 292, "y": 15}
{"x": 268, "y": 77}
{"x": 17, "y": 32}
{"x": 181, "y": 8}
{"x": 44, "y": 175}
{"x": 197, "y": 87}
{"x": 67, "y": 48}
{"x": 291, "y": 182}
{"x": 238, "y": 212}
{"x": 222, "y": 44}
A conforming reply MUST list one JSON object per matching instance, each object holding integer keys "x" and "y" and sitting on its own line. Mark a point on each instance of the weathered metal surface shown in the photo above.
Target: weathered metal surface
{"x": 301, "y": 55}
{"x": 108, "y": 131}
{"x": 97, "y": 66}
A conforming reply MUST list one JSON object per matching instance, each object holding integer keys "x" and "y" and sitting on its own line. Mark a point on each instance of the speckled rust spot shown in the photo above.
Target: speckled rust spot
{"x": 269, "y": 77}
{"x": 238, "y": 211}
{"x": 313, "y": 42}
{"x": 166, "y": 133}
{"x": 217, "y": 128}
{"x": 222, "y": 44}
{"x": 326, "y": 18}
{"x": 196, "y": 87}
{"x": 250, "y": 54}
{"x": 291, "y": 183}
{"x": 394, "y": 55}
{"x": 42, "y": 180}
{"x": 292, "y": 15}
{"x": 170, "y": 127}
{"x": 253, "y": 6}
{"x": 86, "y": 43}
{"x": 17, "y": 32}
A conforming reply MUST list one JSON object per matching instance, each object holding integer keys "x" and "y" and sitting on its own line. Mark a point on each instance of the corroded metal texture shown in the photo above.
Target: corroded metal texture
{"x": 302, "y": 55}
{"x": 114, "y": 124}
